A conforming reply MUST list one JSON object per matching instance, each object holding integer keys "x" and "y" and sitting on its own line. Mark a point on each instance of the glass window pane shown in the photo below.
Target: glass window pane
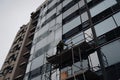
{"x": 59, "y": 8}
{"x": 72, "y": 24}
{"x": 59, "y": 21}
{"x": 52, "y": 3}
{"x": 84, "y": 16}
{"x": 37, "y": 62}
{"x": 105, "y": 26}
{"x": 28, "y": 67}
{"x": 51, "y": 13}
{"x": 78, "y": 38}
{"x": 69, "y": 11}
{"x": 81, "y": 3}
{"x": 117, "y": 18}
{"x": 37, "y": 78}
{"x": 65, "y": 2}
{"x": 89, "y": 1}
{"x": 102, "y": 6}
{"x": 41, "y": 31}
{"x": 111, "y": 51}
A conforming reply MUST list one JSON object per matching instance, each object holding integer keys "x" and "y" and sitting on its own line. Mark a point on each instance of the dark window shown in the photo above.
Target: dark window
{"x": 35, "y": 73}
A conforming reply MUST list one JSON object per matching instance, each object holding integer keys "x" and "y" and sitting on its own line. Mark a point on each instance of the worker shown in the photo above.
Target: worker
{"x": 60, "y": 46}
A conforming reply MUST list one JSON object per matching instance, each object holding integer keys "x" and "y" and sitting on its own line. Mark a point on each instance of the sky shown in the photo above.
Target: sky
{"x": 13, "y": 14}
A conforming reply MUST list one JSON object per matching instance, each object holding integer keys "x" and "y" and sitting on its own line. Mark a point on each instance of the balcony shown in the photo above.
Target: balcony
{"x": 29, "y": 44}
{"x": 23, "y": 64}
{"x": 32, "y": 29}
{"x": 31, "y": 35}
{"x": 26, "y": 54}
{"x": 19, "y": 77}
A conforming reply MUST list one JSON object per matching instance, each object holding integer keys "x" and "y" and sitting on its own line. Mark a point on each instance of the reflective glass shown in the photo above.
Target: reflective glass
{"x": 89, "y": 0}
{"x": 81, "y": 3}
{"x": 102, "y": 6}
{"x": 37, "y": 62}
{"x": 77, "y": 66}
{"x": 28, "y": 67}
{"x": 78, "y": 38}
{"x": 26, "y": 77}
{"x": 52, "y": 3}
{"x": 84, "y": 16}
{"x": 71, "y": 10}
{"x": 51, "y": 13}
{"x": 65, "y": 2}
{"x": 37, "y": 78}
{"x": 41, "y": 31}
{"x": 41, "y": 44}
{"x": 111, "y": 51}
{"x": 72, "y": 24}
{"x": 32, "y": 49}
{"x": 105, "y": 26}
{"x": 117, "y": 18}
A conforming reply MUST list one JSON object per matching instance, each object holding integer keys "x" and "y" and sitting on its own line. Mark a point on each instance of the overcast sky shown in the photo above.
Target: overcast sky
{"x": 13, "y": 14}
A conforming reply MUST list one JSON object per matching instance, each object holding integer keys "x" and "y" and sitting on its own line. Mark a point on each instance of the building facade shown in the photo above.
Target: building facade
{"x": 89, "y": 28}
{"x": 90, "y": 34}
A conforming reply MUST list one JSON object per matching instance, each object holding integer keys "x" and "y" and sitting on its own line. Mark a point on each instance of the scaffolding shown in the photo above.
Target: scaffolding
{"x": 78, "y": 53}
{"x": 75, "y": 53}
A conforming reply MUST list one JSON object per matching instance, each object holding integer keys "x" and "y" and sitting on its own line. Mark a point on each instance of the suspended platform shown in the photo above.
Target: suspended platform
{"x": 86, "y": 75}
{"x": 65, "y": 58}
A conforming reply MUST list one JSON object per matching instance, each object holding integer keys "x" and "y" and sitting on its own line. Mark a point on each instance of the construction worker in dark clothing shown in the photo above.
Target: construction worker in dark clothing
{"x": 60, "y": 46}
